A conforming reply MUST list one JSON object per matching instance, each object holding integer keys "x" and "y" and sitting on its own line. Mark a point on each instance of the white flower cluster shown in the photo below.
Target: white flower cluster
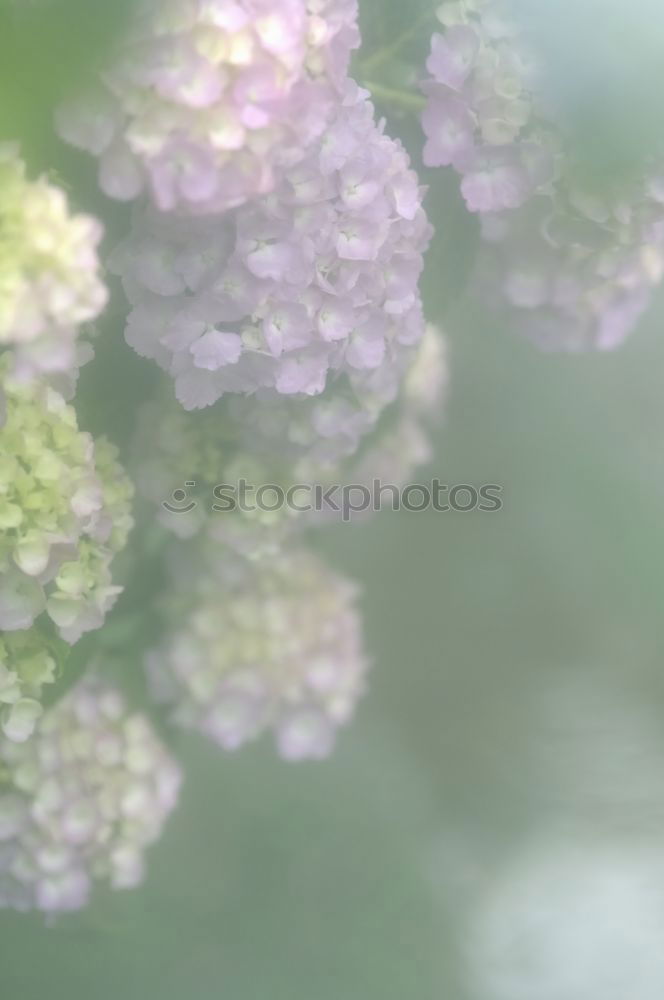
{"x": 273, "y": 645}
{"x": 81, "y": 801}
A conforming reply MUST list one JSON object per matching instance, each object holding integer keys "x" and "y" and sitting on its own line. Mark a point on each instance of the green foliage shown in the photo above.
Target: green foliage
{"x": 46, "y": 48}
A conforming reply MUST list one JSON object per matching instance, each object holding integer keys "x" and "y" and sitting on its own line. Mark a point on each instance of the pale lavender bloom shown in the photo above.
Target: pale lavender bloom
{"x": 272, "y": 645}
{"x": 482, "y": 116}
{"x": 575, "y": 272}
{"x": 119, "y": 173}
{"x": 315, "y": 280}
{"x": 81, "y": 801}
{"x": 204, "y": 105}
{"x": 453, "y": 56}
{"x": 449, "y": 127}
{"x": 495, "y": 180}
{"x": 574, "y": 269}
{"x": 215, "y": 349}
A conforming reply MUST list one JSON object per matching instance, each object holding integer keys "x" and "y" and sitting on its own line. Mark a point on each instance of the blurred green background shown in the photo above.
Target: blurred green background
{"x": 517, "y": 680}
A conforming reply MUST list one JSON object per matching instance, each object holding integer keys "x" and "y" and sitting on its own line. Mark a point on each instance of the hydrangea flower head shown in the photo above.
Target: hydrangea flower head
{"x": 318, "y": 279}
{"x": 207, "y": 101}
{"x": 49, "y": 273}
{"x": 574, "y": 266}
{"x": 29, "y": 660}
{"x": 482, "y": 116}
{"x": 80, "y": 801}
{"x": 574, "y": 272}
{"x": 274, "y": 645}
{"x": 65, "y": 511}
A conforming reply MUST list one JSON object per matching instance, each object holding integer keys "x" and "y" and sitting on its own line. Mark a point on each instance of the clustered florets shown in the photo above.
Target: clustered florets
{"x": 575, "y": 270}
{"x": 481, "y": 116}
{"x": 49, "y": 274}
{"x": 317, "y": 279}
{"x": 64, "y": 514}
{"x": 274, "y": 260}
{"x": 276, "y": 645}
{"x": 272, "y": 269}
{"x": 208, "y": 101}
{"x": 29, "y": 660}
{"x": 80, "y": 801}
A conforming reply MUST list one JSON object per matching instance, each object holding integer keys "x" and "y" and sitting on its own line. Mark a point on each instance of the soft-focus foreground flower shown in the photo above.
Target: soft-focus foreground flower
{"x": 579, "y": 917}
{"x": 81, "y": 801}
{"x": 318, "y": 279}
{"x": 574, "y": 270}
{"x": 273, "y": 645}
{"x": 481, "y": 116}
{"x": 28, "y": 660}
{"x": 49, "y": 273}
{"x": 65, "y": 511}
{"x": 207, "y": 101}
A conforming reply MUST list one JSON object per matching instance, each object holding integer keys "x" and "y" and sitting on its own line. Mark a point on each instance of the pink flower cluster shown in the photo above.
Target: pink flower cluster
{"x": 315, "y": 280}
{"x": 574, "y": 265}
{"x": 206, "y": 102}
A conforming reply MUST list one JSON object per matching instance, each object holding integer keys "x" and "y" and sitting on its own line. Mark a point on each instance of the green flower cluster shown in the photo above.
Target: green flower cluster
{"x": 65, "y": 511}
{"x": 29, "y": 660}
{"x": 49, "y": 272}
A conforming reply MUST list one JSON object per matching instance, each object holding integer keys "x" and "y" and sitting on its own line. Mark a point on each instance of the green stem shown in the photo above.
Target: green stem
{"x": 388, "y": 52}
{"x": 401, "y": 99}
